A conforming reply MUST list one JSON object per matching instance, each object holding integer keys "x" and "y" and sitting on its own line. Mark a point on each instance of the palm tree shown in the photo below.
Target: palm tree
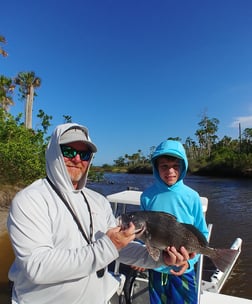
{"x": 207, "y": 133}
{"x": 27, "y": 82}
{"x": 2, "y": 51}
{"x": 6, "y": 89}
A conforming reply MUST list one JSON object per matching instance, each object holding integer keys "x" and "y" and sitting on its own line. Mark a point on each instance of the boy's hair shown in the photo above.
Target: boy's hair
{"x": 168, "y": 157}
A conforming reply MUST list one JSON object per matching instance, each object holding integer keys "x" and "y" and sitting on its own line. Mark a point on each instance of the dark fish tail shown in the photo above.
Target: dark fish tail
{"x": 222, "y": 258}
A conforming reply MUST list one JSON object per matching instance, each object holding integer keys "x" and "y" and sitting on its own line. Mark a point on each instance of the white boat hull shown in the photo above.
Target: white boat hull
{"x": 217, "y": 298}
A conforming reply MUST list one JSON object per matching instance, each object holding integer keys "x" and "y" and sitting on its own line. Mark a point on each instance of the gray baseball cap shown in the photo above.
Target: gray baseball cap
{"x": 77, "y": 134}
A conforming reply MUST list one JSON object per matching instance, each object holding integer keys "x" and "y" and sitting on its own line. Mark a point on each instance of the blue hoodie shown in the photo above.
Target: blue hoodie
{"x": 178, "y": 199}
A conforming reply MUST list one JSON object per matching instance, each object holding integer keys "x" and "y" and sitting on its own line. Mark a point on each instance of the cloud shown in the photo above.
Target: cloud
{"x": 245, "y": 121}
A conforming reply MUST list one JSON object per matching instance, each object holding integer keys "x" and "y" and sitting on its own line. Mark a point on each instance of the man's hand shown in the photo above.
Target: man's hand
{"x": 172, "y": 257}
{"x": 121, "y": 238}
{"x": 138, "y": 268}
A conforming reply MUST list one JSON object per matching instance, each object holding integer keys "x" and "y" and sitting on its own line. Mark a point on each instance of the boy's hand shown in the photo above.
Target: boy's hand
{"x": 172, "y": 257}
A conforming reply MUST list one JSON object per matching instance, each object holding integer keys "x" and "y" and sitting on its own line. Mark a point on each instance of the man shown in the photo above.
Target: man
{"x": 64, "y": 235}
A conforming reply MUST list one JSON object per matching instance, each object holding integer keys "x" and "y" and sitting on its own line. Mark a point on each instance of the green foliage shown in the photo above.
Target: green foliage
{"x": 45, "y": 120}
{"x": 95, "y": 175}
{"x": 67, "y": 118}
{"x": 2, "y": 51}
{"x": 22, "y": 151}
{"x": 227, "y": 157}
{"x": 26, "y": 80}
{"x": 6, "y": 91}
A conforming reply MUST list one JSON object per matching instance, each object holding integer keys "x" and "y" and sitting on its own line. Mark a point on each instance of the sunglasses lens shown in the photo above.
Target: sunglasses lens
{"x": 85, "y": 155}
{"x": 70, "y": 153}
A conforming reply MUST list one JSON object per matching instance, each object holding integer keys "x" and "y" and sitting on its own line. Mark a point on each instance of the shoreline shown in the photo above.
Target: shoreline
{"x": 7, "y": 192}
{"x": 3, "y": 220}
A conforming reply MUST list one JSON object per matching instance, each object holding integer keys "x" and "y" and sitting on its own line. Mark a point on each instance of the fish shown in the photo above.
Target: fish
{"x": 159, "y": 230}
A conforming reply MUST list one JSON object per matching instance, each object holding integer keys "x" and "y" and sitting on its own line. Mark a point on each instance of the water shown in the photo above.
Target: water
{"x": 229, "y": 209}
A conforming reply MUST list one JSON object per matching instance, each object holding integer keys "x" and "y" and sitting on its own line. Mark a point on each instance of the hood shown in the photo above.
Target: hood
{"x": 172, "y": 148}
{"x": 55, "y": 166}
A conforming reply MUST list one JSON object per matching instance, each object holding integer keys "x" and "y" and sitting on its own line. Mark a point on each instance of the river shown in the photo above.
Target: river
{"x": 229, "y": 210}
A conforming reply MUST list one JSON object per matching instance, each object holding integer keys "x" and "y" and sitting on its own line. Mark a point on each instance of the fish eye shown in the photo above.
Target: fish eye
{"x": 132, "y": 217}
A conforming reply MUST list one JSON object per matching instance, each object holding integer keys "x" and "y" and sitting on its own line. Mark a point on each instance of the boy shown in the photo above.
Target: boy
{"x": 171, "y": 284}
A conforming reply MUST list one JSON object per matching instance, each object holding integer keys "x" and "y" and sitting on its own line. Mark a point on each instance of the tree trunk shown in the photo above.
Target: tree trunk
{"x": 28, "y": 108}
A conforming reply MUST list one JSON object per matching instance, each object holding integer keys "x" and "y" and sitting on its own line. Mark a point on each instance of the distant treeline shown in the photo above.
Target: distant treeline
{"x": 22, "y": 153}
{"x": 210, "y": 155}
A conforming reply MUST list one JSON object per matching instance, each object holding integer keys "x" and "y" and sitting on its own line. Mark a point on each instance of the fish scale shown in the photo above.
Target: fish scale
{"x": 159, "y": 230}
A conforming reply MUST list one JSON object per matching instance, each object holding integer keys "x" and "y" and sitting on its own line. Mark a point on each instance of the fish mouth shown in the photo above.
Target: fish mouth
{"x": 119, "y": 221}
{"x": 137, "y": 232}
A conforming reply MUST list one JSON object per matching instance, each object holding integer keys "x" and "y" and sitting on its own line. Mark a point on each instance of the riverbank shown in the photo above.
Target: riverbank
{"x": 207, "y": 171}
{"x": 7, "y": 192}
{"x": 3, "y": 218}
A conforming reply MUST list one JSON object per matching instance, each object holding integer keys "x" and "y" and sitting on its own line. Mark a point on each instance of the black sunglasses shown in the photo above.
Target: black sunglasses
{"x": 70, "y": 152}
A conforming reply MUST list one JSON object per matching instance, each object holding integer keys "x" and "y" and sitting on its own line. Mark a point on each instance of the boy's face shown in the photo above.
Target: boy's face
{"x": 169, "y": 169}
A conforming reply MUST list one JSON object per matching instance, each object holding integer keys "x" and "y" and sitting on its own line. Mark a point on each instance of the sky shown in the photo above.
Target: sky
{"x": 134, "y": 72}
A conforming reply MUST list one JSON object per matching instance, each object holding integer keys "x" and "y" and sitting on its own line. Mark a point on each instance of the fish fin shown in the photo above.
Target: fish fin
{"x": 200, "y": 236}
{"x": 222, "y": 258}
{"x": 153, "y": 252}
{"x": 166, "y": 215}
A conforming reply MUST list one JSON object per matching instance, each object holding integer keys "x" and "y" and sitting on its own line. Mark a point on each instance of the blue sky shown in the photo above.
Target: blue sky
{"x": 134, "y": 72}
